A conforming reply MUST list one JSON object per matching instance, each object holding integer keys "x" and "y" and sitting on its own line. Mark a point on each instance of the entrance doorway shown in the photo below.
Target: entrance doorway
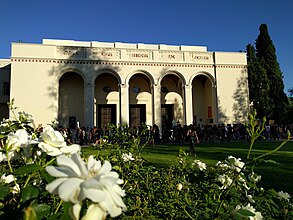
{"x": 137, "y": 115}
{"x": 106, "y": 115}
{"x": 167, "y": 115}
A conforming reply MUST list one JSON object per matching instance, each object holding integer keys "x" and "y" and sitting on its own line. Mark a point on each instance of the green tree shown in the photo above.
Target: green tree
{"x": 266, "y": 54}
{"x": 258, "y": 84}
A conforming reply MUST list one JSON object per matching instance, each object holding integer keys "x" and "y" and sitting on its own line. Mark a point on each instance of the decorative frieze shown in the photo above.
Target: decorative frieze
{"x": 171, "y": 56}
{"x": 71, "y": 53}
{"x": 200, "y": 57}
{"x": 103, "y": 53}
{"x": 139, "y": 55}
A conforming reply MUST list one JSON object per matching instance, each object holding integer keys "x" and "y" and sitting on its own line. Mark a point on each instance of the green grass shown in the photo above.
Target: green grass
{"x": 278, "y": 176}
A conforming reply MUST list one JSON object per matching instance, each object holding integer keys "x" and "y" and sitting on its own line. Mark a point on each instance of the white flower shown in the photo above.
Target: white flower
{"x": 7, "y": 179}
{"x": 96, "y": 212}
{"x": 77, "y": 181}
{"x": 221, "y": 165}
{"x": 237, "y": 164}
{"x": 257, "y": 215}
{"x": 11, "y": 155}
{"x": 243, "y": 181}
{"x": 254, "y": 177}
{"x": 2, "y": 157}
{"x": 200, "y": 165}
{"x": 127, "y": 157}
{"x": 179, "y": 186}
{"x": 250, "y": 198}
{"x": 53, "y": 143}
{"x": 15, "y": 189}
{"x": 284, "y": 195}
{"x": 19, "y": 139}
{"x": 225, "y": 180}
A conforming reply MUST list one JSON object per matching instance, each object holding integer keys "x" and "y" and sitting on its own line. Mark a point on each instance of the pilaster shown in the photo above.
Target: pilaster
{"x": 188, "y": 105}
{"x": 124, "y": 104}
{"x": 89, "y": 104}
{"x": 157, "y": 115}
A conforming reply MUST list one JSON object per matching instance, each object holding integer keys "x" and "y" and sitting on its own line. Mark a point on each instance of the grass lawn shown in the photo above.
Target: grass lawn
{"x": 278, "y": 176}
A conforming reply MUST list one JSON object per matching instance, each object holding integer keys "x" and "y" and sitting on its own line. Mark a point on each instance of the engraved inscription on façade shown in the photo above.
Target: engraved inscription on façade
{"x": 95, "y": 53}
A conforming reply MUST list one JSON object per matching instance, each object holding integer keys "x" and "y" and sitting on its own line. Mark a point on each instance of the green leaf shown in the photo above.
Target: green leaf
{"x": 46, "y": 176}
{"x": 42, "y": 210}
{"x": 4, "y": 191}
{"x": 270, "y": 161}
{"x": 26, "y": 169}
{"x": 54, "y": 216}
{"x": 246, "y": 212}
{"x": 29, "y": 192}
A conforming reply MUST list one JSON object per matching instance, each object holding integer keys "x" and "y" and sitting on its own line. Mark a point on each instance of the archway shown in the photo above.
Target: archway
{"x": 140, "y": 100}
{"x": 171, "y": 100}
{"x": 203, "y": 105}
{"x": 71, "y": 100}
{"x": 106, "y": 110}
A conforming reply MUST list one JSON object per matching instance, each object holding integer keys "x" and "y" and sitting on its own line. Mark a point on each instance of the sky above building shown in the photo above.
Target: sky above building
{"x": 221, "y": 25}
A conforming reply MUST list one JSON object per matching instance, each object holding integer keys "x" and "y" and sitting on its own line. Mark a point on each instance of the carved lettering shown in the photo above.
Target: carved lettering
{"x": 139, "y": 55}
{"x": 70, "y": 53}
{"x": 171, "y": 56}
{"x": 107, "y": 54}
{"x": 201, "y": 57}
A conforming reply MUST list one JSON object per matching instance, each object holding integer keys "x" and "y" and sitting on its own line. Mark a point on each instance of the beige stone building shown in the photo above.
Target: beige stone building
{"x": 96, "y": 83}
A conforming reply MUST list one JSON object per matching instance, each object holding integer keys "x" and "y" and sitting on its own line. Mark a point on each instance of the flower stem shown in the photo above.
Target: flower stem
{"x": 188, "y": 214}
{"x": 49, "y": 162}
{"x": 27, "y": 180}
{"x": 8, "y": 161}
{"x": 57, "y": 209}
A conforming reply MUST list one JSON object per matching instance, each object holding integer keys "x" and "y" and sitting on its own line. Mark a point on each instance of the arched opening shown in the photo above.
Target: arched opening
{"x": 203, "y": 106}
{"x": 71, "y": 100}
{"x": 171, "y": 101}
{"x": 140, "y": 101}
{"x": 106, "y": 100}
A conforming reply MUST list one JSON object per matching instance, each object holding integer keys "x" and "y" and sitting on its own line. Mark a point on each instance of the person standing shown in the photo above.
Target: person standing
{"x": 193, "y": 139}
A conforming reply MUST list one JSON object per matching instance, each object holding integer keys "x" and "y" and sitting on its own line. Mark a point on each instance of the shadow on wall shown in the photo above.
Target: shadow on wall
{"x": 178, "y": 110}
{"x": 240, "y": 106}
{"x": 222, "y": 118}
{"x": 85, "y": 66}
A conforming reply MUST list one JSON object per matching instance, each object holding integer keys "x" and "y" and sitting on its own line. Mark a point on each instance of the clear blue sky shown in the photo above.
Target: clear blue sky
{"x": 221, "y": 25}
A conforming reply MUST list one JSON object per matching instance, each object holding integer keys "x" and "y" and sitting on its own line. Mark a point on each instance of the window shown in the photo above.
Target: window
{"x": 6, "y": 88}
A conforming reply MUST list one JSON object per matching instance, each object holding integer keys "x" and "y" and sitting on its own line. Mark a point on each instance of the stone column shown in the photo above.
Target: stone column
{"x": 89, "y": 91}
{"x": 157, "y": 114}
{"x": 215, "y": 105}
{"x": 188, "y": 104}
{"x": 124, "y": 104}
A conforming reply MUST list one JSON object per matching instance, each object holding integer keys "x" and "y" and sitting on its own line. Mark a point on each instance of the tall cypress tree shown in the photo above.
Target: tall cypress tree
{"x": 266, "y": 54}
{"x": 258, "y": 84}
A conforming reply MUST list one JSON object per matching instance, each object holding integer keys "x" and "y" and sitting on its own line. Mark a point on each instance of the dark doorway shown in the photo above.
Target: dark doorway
{"x": 167, "y": 115}
{"x": 72, "y": 122}
{"x": 106, "y": 115}
{"x": 137, "y": 115}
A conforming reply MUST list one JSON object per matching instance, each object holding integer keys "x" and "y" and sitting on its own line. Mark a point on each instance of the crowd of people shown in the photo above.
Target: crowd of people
{"x": 178, "y": 134}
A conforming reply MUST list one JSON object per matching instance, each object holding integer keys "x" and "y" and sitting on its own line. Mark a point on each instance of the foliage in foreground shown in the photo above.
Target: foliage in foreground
{"x": 43, "y": 178}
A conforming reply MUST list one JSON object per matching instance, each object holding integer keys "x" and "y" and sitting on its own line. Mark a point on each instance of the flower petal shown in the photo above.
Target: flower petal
{"x": 64, "y": 161}
{"x": 96, "y": 195}
{"x": 74, "y": 211}
{"x": 60, "y": 171}
{"x": 96, "y": 212}
{"x": 53, "y": 186}
{"x": 69, "y": 190}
